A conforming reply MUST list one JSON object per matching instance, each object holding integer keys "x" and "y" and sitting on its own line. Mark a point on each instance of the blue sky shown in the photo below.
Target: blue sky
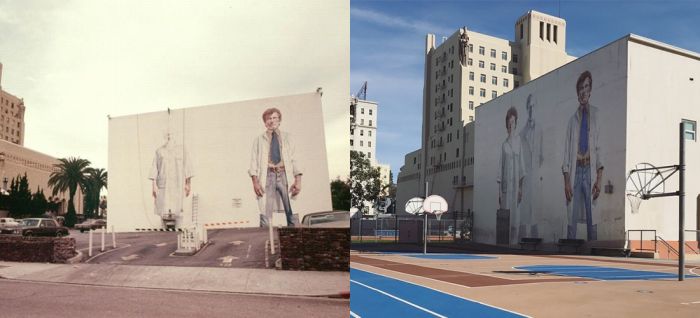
{"x": 387, "y": 43}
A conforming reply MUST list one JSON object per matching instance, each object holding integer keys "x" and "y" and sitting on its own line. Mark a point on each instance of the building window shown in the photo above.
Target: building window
{"x": 351, "y": 142}
{"x": 457, "y": 152}
{"x": 471, "y": 90}
{"x": 471, "y": 105}
{"x": 504, "y": 55}
{"x": 370, "y": 123}
{"x": 504, "y": 69}
{"x": 515, "y": 71}
{"x": 541, "y": 30}
{"x": 369, "y": 155}
{"x": 362, "y": 110}
{"x": 505, "y": 82}
{"x": 414, "y": 160}
{"x": 471, "y": 48}
{"x": 521, "y": 31}
{"x": 482, "y": 92}
{"x": 471, "y": 76}
{"x": 352, "y": 131}
{"x": 493, "y": 53}
{"x": 362, "y": 132}
{"x": 516, "y": 84}
{"x": 481, "y": 50}
{"x": 689, "y": 127}
{"x": 515, "y": 58}
{"x": 494, "y": 94}
{"x": 362, "y": 121}
{"x": 369, "y": 133}
{"x": 470, "y": 62}
{"x": 482, "y": 78}
{"x": 481, "y": 64}
{"x": 555, "y": 34}
{"x": 494, "y": 80}
{"x": 492, "y": 67}
{"x": 362, "y": 143}
{"x": 369, "y": 144}
{"x": 549, "y": 28}
{"x": 370, "y": 112}
{"x": 471, "y": 118}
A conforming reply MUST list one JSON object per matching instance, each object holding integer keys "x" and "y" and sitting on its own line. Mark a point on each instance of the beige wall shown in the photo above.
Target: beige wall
{"x": 16, "y": 160}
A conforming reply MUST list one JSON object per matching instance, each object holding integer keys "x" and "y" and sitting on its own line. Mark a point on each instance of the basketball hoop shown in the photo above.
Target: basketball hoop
{"x": 642, "y": 181}
{"x": 438, "y": 214}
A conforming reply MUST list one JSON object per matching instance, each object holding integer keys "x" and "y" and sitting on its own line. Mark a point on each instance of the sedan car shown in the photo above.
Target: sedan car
{"x": 41, "y": 227}
{"x": 8, "y": 225}
{"x": 339, "y": 219}
{"x": 91, "y": 224}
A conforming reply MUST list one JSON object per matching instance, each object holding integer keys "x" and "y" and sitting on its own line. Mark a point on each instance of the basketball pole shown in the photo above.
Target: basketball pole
{"x": 681, "y": 205}
{"x": 425, "y": 224}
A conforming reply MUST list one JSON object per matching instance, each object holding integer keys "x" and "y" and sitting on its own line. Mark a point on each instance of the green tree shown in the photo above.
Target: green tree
{"x": 39, "y": 204}
{"x": 20, "y": 197}
{"x": 340, "y": 194}
{"x": 69, "y": 174}
{"x": 364, "y": 180}
{"x": 95, "y": 180}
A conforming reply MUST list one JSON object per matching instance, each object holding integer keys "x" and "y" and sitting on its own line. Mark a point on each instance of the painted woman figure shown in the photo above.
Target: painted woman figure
{"x": 512, "y": 173}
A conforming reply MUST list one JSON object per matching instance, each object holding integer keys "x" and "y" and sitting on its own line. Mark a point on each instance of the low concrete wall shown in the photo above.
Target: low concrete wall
{"x": 315, "y": 249}
{"x": 36, "y": 249}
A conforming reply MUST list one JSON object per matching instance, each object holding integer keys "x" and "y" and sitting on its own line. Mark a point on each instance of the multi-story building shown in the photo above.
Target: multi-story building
{"x": 363, "y": 136}
{"x": 466, "y": 70}
{"x": 11, "y": 116}
{"x": 16, "y": 160}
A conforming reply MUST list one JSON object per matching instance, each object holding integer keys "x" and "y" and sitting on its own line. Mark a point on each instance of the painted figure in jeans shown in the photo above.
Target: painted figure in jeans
{"x": 511, "y": 175}
{"x": 272, "y": 164}
{"x": 582, "y": 153}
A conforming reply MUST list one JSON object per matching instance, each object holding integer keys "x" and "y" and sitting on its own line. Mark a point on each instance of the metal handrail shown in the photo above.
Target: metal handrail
{"x": 641, "y": 241}
{"x": 668, "y": 246}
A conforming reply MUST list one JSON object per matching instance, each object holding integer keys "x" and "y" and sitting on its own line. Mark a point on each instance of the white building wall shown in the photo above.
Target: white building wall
{"x": 660, "y": 94}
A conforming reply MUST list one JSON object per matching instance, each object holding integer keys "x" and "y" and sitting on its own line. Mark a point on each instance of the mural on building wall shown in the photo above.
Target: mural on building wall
{"x": 582, "y": 161}
{"x": 221, "y": 166}
{"x": 273, "y": 163}
{"x": 551, "y": 145}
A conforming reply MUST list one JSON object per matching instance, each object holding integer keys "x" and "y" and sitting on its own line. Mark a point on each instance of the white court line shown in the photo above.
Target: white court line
{"x": 354, "y": 315}
{"x": 399, "y": 299}
{"x": 692, "y": 270}
{"x": 440, "y": 291}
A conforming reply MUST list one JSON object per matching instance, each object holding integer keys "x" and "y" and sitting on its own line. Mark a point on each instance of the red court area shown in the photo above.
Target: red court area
{"x": 548, "y": 285}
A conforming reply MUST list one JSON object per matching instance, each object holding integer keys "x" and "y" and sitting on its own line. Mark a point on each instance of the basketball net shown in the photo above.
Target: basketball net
{"x": 438, "y": 214}
{"x": 635, "y": 202}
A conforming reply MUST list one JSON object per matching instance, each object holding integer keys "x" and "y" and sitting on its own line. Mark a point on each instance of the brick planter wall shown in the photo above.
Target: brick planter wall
{"x": 315, "y": 249}
{"x": 36, "y": 249}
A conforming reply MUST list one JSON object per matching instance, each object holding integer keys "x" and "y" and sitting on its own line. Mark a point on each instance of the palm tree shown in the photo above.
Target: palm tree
{"x": 68, "y": 175}
{"x": 95, "y": 180}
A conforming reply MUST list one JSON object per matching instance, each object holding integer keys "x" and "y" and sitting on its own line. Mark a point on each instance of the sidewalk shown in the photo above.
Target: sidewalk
{"x": 233, "y": 280}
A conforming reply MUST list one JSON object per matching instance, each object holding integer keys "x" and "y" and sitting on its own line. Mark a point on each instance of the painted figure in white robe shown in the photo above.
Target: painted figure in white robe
{"x": 171, "y": 175}
{"x": 511, "y": 175}
{"x": 533, "y": 157}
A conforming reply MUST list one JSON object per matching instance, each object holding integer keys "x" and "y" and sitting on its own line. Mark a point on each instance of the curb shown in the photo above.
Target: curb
{"x": 75, "y": 259}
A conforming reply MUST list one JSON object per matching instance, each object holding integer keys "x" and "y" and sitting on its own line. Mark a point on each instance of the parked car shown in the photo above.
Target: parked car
{"x": 340, "y": 219}
{"x": 91, "y": 224}
{"x": 8, "y": 225}
{"x": 41, "y": 227}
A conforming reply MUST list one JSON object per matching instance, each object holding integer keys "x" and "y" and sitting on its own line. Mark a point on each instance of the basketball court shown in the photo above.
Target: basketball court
{"x": 508, "y": 285}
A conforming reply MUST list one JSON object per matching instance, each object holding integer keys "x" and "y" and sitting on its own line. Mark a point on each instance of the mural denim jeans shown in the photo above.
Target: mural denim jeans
{"x": 582, "y": 204}
{"x": 276, "y": 189}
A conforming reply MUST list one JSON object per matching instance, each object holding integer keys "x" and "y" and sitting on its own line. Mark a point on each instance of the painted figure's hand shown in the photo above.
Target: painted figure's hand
{"x": 596, "y": 190}
{"x": 568, "y": 192}
{"x": 258, "y": 188}
{"x": 154, "y": 191}
{"x": 520, "y": 195}
{"x": 188, "y": 188}
{"x": 295, "y": 188}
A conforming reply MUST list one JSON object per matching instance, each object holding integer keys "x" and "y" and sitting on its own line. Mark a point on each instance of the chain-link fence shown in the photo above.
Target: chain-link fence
{"x": 389, "y": 229}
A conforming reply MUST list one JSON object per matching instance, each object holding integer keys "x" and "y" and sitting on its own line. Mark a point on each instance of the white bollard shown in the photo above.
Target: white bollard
{"x": 114, "y": 238}
{"x": 90, "y": 243}
{"x": 272, "y": 238}
{"x": 104, "y": 229}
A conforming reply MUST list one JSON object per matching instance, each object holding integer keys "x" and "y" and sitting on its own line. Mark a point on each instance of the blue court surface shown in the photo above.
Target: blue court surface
{"x": 375, "y": 295}
{"x": 442, "y": 256}
{"x": 600, "y": 273}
